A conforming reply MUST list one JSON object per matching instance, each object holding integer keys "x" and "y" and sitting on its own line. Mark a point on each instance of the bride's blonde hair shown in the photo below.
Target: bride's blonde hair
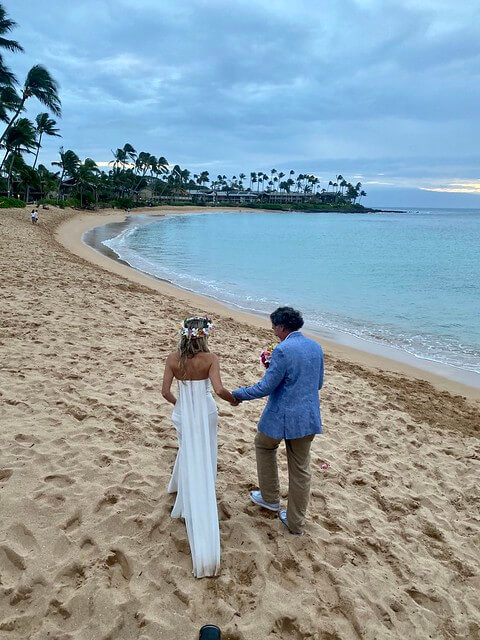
{"x": 193, "y": 339}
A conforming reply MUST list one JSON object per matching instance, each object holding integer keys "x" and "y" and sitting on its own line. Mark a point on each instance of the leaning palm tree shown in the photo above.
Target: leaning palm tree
{"x": 45, "y": 125}
{"x": 123, "y": 156}
{"x": 143, "y": 162}
{"x": 9, "y": 101}
{"x": 7, "y": 78}
{"x": 7, "y": 25}
{"x": 38, "y": 84}
{"x": 68, "y": 163}
{"x": 47, "y": 180}
{"x": 86, "y": 177}
{"x": 20, "y": 139}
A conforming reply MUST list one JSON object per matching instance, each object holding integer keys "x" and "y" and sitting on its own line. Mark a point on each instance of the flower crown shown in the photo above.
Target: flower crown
{"x": 196, "y": 332}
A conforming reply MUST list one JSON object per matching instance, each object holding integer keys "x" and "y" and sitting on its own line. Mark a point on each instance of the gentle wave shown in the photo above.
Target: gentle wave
{"x": 172, "y": 263}
{"x": 425, "y": 347}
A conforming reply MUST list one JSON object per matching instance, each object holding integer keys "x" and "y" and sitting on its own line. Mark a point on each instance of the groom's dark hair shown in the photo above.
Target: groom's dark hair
{"x": 288, "y": 318}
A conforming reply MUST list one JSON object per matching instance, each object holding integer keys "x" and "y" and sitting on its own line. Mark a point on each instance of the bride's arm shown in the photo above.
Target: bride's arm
{"x": 216, "y": 380}
{"x": 167, "y": 381}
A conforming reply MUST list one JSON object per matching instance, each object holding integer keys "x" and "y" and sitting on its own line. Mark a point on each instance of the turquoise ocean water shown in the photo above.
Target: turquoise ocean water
{"x": 409, "y": 280}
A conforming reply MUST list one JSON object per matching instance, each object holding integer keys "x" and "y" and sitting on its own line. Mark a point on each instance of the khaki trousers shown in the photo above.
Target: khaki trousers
{"x": 298, "y": 458}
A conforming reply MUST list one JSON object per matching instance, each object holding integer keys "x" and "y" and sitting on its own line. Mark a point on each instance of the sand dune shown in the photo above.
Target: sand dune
{"x": 87, "y": 547}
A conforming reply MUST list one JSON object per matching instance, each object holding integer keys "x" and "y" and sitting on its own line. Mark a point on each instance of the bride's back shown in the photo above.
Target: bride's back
{"x": 195, "y": 368}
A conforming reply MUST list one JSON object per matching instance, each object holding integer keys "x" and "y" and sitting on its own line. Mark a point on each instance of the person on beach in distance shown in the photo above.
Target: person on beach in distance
{"x": 292, "y": 413}
{"x": 34, "y": 216}
{"x": 195, "y": 417}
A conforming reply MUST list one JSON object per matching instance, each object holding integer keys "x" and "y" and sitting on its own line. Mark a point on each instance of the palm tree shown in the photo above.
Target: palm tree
{"x": 204, "y": 177}
{"x": 22, "y": 175}
{"x": 86, "y": 176}
{"x": 123, "y": 156}
{"x": 38, "y": 84}
{"x": 68, "y": 163}
{"x": 47, "y": 180}
{"x": 7, "y": 78}
{"x": 143, "y": 163}
{"x": 19, "y": 139}
{"x": 45, "y": 125}
{"x": 260, "y": 178}
{"x": 7, "y": 25}
{"x": 9, "y": 100}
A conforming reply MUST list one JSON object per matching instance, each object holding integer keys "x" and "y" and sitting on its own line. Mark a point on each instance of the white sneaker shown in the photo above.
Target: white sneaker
{"x": 256, "y": 497}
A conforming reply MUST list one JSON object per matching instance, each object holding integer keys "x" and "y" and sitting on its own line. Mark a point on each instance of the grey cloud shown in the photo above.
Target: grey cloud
{"x": 375, "y": 85}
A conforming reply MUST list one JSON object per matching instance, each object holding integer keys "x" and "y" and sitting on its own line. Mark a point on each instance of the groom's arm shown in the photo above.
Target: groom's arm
{"x": 270, "y": 381}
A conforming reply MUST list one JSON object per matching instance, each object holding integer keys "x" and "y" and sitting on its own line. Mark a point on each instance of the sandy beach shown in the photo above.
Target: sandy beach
{"x": 88, "y": 550}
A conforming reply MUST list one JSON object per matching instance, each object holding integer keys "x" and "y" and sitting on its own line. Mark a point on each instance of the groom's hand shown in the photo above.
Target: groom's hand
{"x": 235, "y": 402}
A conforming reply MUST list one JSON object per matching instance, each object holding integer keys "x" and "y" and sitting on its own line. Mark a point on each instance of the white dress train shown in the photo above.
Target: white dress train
{"x": 195, "y": 417}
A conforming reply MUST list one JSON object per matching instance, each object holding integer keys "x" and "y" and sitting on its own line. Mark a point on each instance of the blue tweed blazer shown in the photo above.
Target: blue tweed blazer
{"x": 292, "y": 382}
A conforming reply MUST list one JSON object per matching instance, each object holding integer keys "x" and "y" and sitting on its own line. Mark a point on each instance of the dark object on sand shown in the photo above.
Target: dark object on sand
{"x": 210, "y": 632}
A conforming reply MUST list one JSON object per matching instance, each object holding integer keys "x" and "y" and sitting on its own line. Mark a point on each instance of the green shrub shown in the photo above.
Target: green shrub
{"x": 123, "y": 203}
{"x": 51, "y": 202}
{"x": 10, "y": 203}
{"x": 70, "y": 202}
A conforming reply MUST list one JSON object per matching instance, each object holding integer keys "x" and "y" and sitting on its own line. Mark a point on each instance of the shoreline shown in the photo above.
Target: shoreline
{"x": 70, "y": 234}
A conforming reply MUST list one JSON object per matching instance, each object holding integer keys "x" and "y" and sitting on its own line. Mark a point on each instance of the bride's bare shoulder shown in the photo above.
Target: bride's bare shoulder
{"x": 205, "y": 356}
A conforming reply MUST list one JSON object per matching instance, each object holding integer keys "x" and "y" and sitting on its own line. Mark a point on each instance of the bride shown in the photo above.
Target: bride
{"x": 195, "y": 418}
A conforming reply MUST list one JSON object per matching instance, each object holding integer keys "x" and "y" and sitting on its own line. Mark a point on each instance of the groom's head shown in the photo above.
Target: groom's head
{"x": 285, "y": 320}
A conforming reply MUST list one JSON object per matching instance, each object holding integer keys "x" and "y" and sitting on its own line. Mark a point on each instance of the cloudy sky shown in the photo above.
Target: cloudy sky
{"x": 385, "y": 92}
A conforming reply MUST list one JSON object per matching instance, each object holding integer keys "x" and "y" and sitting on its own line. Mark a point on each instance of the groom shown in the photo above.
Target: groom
{"x": 292, "y": 414}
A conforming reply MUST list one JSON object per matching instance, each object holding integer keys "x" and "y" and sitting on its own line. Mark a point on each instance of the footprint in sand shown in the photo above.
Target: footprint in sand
{"x": 22, "y": 536}
{"x": 59, "y": 480}
{"x": 28, "y": 440}
{"x": 119, "y": 566}
{"x": 22, "y": 594}
{"x": 72, "y": 575}
{"x": 288, "y": 627}
{"x": 57, "y": 608}
{"x": 5, "y": 474}
{"x": 73, "y": 522}
{"x": 109, "y": 500}
{"x": 431, "y": 603}
{"x": 12, "y": 564}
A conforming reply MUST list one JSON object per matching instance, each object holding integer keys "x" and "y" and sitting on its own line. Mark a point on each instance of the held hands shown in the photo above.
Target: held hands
{"x": 234, "y": 402}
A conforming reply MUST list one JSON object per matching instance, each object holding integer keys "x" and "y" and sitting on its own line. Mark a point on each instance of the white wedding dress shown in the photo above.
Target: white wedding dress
{"x": 195, "y": 417}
